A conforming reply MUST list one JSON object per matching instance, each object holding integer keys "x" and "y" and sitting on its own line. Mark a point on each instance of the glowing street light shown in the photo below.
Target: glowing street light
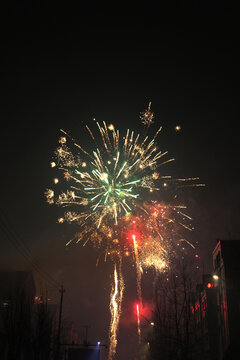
{"x": 217, "y": 278}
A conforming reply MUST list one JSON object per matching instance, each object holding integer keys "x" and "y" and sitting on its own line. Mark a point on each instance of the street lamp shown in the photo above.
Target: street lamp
{"x": 219, "y": 278}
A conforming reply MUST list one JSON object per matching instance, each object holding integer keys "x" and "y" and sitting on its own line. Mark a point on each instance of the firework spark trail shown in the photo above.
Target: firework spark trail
{"x": 138, "y": 267}
{"x": 138, "y": 323}
{"x": 115, "y": 309}
{"x": 139, "y": 278}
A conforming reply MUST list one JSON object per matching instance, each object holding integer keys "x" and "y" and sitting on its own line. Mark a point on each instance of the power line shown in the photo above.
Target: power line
{"x": 19, "y": 244}
{"x": 23, "y": 252}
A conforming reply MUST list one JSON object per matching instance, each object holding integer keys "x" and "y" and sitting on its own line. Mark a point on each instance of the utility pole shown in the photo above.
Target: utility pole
{"x": 62, "y": 291}
{"x": 86, "y": 328}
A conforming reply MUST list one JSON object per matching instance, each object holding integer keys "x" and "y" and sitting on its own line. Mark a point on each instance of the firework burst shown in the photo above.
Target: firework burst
{"x": 110, "y": 194}
{"x": 147, "y": 116}
{"x": 110, "y": 182}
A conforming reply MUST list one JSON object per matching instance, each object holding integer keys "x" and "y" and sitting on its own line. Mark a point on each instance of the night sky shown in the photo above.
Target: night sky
{"x": 62, "y": 65}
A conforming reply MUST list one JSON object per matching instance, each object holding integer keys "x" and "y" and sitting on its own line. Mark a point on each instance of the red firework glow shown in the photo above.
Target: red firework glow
{"x": 137, "y": 307}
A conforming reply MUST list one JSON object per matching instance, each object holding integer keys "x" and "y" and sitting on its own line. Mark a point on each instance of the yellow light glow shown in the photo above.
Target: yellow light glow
{"x": 111, "y": 127}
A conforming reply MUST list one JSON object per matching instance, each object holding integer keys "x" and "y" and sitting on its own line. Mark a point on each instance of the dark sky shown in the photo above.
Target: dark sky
{"x": 61, "y": 65}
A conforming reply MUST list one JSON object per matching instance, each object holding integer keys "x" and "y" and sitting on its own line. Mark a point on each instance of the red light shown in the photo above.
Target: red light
{"x": 133, "y": 235}
{"x": 137, "y": 309}
{"x": 209, "y": 285}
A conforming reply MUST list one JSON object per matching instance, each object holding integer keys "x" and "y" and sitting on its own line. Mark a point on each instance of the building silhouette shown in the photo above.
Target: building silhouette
{"x": 205, "y": 331}
{"x": 216, "y": 306}
{"x": 226, "y": 268}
